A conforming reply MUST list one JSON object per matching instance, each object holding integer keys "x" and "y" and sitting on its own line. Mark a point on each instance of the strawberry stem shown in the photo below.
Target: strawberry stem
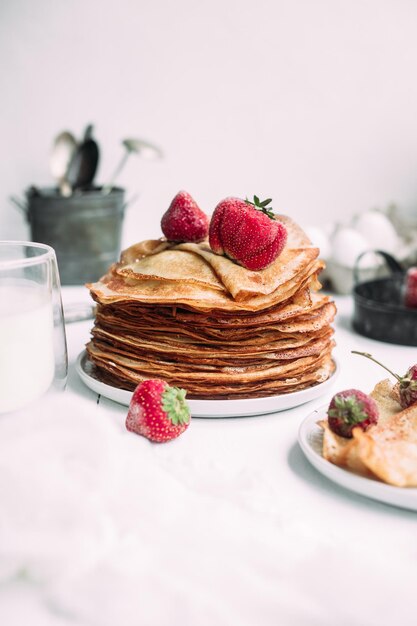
{"x": 262, "y": 206}
{"x": 371, "y": 358}
{"x": 175, "y": 405}
{"x": 349, "y": 409}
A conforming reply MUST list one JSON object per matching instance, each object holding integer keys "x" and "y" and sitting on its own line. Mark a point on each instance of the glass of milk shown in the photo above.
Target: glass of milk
{"x": 33, "y": 350}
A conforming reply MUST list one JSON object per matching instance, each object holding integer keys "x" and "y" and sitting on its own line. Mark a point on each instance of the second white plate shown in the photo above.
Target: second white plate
{"x": 310, "y": 438}
{"x": 212, "y": 408}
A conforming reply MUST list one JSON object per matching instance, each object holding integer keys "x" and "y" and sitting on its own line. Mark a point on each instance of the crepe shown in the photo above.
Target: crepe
{"x": 387, "y": 450}
{"x": 200, "y": 321}
{"x": 116, "y": 287}
{"x": 172, "y": 265}
{"x": 120, "y": 372}
{"x": 195, "y": 262}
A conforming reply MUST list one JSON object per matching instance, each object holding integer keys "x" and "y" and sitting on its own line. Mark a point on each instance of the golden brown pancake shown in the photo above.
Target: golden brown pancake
{"x": 176, "y": 265}
{"x": 126, "y": 378}
{"x": 114, "y": 287}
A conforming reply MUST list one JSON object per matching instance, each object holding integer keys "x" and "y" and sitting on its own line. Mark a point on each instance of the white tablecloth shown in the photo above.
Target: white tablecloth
{"x": 227, "y": 525}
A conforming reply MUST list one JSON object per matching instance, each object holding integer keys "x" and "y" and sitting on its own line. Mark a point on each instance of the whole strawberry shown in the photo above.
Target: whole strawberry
{"x": 247, "y": 232}
{"x": 407, "y": 384}
{"x": 157, "y": 411}
{"x": 349, "y": 409}
{"x": 184, "y": 220}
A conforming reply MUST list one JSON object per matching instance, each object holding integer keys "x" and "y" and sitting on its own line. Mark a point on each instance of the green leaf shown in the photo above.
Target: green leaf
{"x": 265, "y": 202}
{"x": 262, "y": 206}
{"x": 349, "y": 409}
{"x": 175, "y": 405}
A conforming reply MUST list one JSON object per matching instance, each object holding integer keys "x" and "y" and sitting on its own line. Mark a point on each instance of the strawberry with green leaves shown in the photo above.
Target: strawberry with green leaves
{"x": 247, "y": 232}
{"x": 349, "y": 409}
{"x": 158, "y": 411}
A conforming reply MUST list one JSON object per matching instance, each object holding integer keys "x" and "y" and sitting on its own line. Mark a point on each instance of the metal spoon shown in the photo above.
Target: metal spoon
{"x": 62, "y": 153}
{"x": 83, "y": 165}
{"x": 138, "y": 146}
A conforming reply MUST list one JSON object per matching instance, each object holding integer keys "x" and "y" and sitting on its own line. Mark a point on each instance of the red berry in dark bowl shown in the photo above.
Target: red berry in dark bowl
{"x": 410, "y": 288}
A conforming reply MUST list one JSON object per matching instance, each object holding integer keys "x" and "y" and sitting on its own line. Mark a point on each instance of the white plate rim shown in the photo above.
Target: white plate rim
{"x": 218, "y": 408}
{"x": 403, "y": 497}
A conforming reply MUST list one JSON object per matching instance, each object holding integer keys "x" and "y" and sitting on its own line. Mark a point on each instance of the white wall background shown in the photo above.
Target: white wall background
{"x": 313, "y": 103}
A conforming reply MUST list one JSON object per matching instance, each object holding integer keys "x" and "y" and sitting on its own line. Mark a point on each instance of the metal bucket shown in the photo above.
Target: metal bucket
{"x": 84, "y": 229}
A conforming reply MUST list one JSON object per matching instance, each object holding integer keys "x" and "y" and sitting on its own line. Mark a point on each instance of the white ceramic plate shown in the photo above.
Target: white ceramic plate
{"x": 212, "y": 408}
{"x": 310, "y": 438}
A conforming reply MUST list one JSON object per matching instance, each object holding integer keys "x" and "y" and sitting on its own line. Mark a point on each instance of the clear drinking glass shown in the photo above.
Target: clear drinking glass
{"x": 33, "y": 349}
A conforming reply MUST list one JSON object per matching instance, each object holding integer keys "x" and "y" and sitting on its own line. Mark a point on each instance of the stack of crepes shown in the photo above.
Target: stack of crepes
{"x": 199, "y": 321}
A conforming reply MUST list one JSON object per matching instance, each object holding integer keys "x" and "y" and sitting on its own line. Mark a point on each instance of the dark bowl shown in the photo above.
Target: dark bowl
{"x": 379, "y": 312}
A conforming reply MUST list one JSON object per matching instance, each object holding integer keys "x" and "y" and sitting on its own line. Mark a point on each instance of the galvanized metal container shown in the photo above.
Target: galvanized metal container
{"x": 84, "y": 229}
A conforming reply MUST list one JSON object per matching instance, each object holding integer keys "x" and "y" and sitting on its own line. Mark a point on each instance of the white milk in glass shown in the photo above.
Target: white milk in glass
{"x": 27, "y": 362}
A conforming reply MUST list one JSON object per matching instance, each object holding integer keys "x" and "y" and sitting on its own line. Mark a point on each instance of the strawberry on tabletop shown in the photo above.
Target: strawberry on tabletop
{"x": 247, "y": 232}
{"x": 158, "y": 411}
{"x": 184, "y": 220}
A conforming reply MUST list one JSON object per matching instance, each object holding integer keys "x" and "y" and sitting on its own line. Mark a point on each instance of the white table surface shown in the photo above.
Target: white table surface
{"x": 227, "y": 525}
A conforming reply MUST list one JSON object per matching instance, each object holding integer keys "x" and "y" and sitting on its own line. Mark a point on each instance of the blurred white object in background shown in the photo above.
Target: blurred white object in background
{"x": 388, "y": 230}
{"x": 405, "y": 224}
{"x": 346, "y": 245}
{"x": 378, "y": 230}
{"x": 319, "y": 238}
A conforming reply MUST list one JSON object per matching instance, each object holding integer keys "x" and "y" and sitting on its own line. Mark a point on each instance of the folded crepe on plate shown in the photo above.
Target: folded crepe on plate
{"x": 387, "y": 450}
{"x": 200, "y": 321}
